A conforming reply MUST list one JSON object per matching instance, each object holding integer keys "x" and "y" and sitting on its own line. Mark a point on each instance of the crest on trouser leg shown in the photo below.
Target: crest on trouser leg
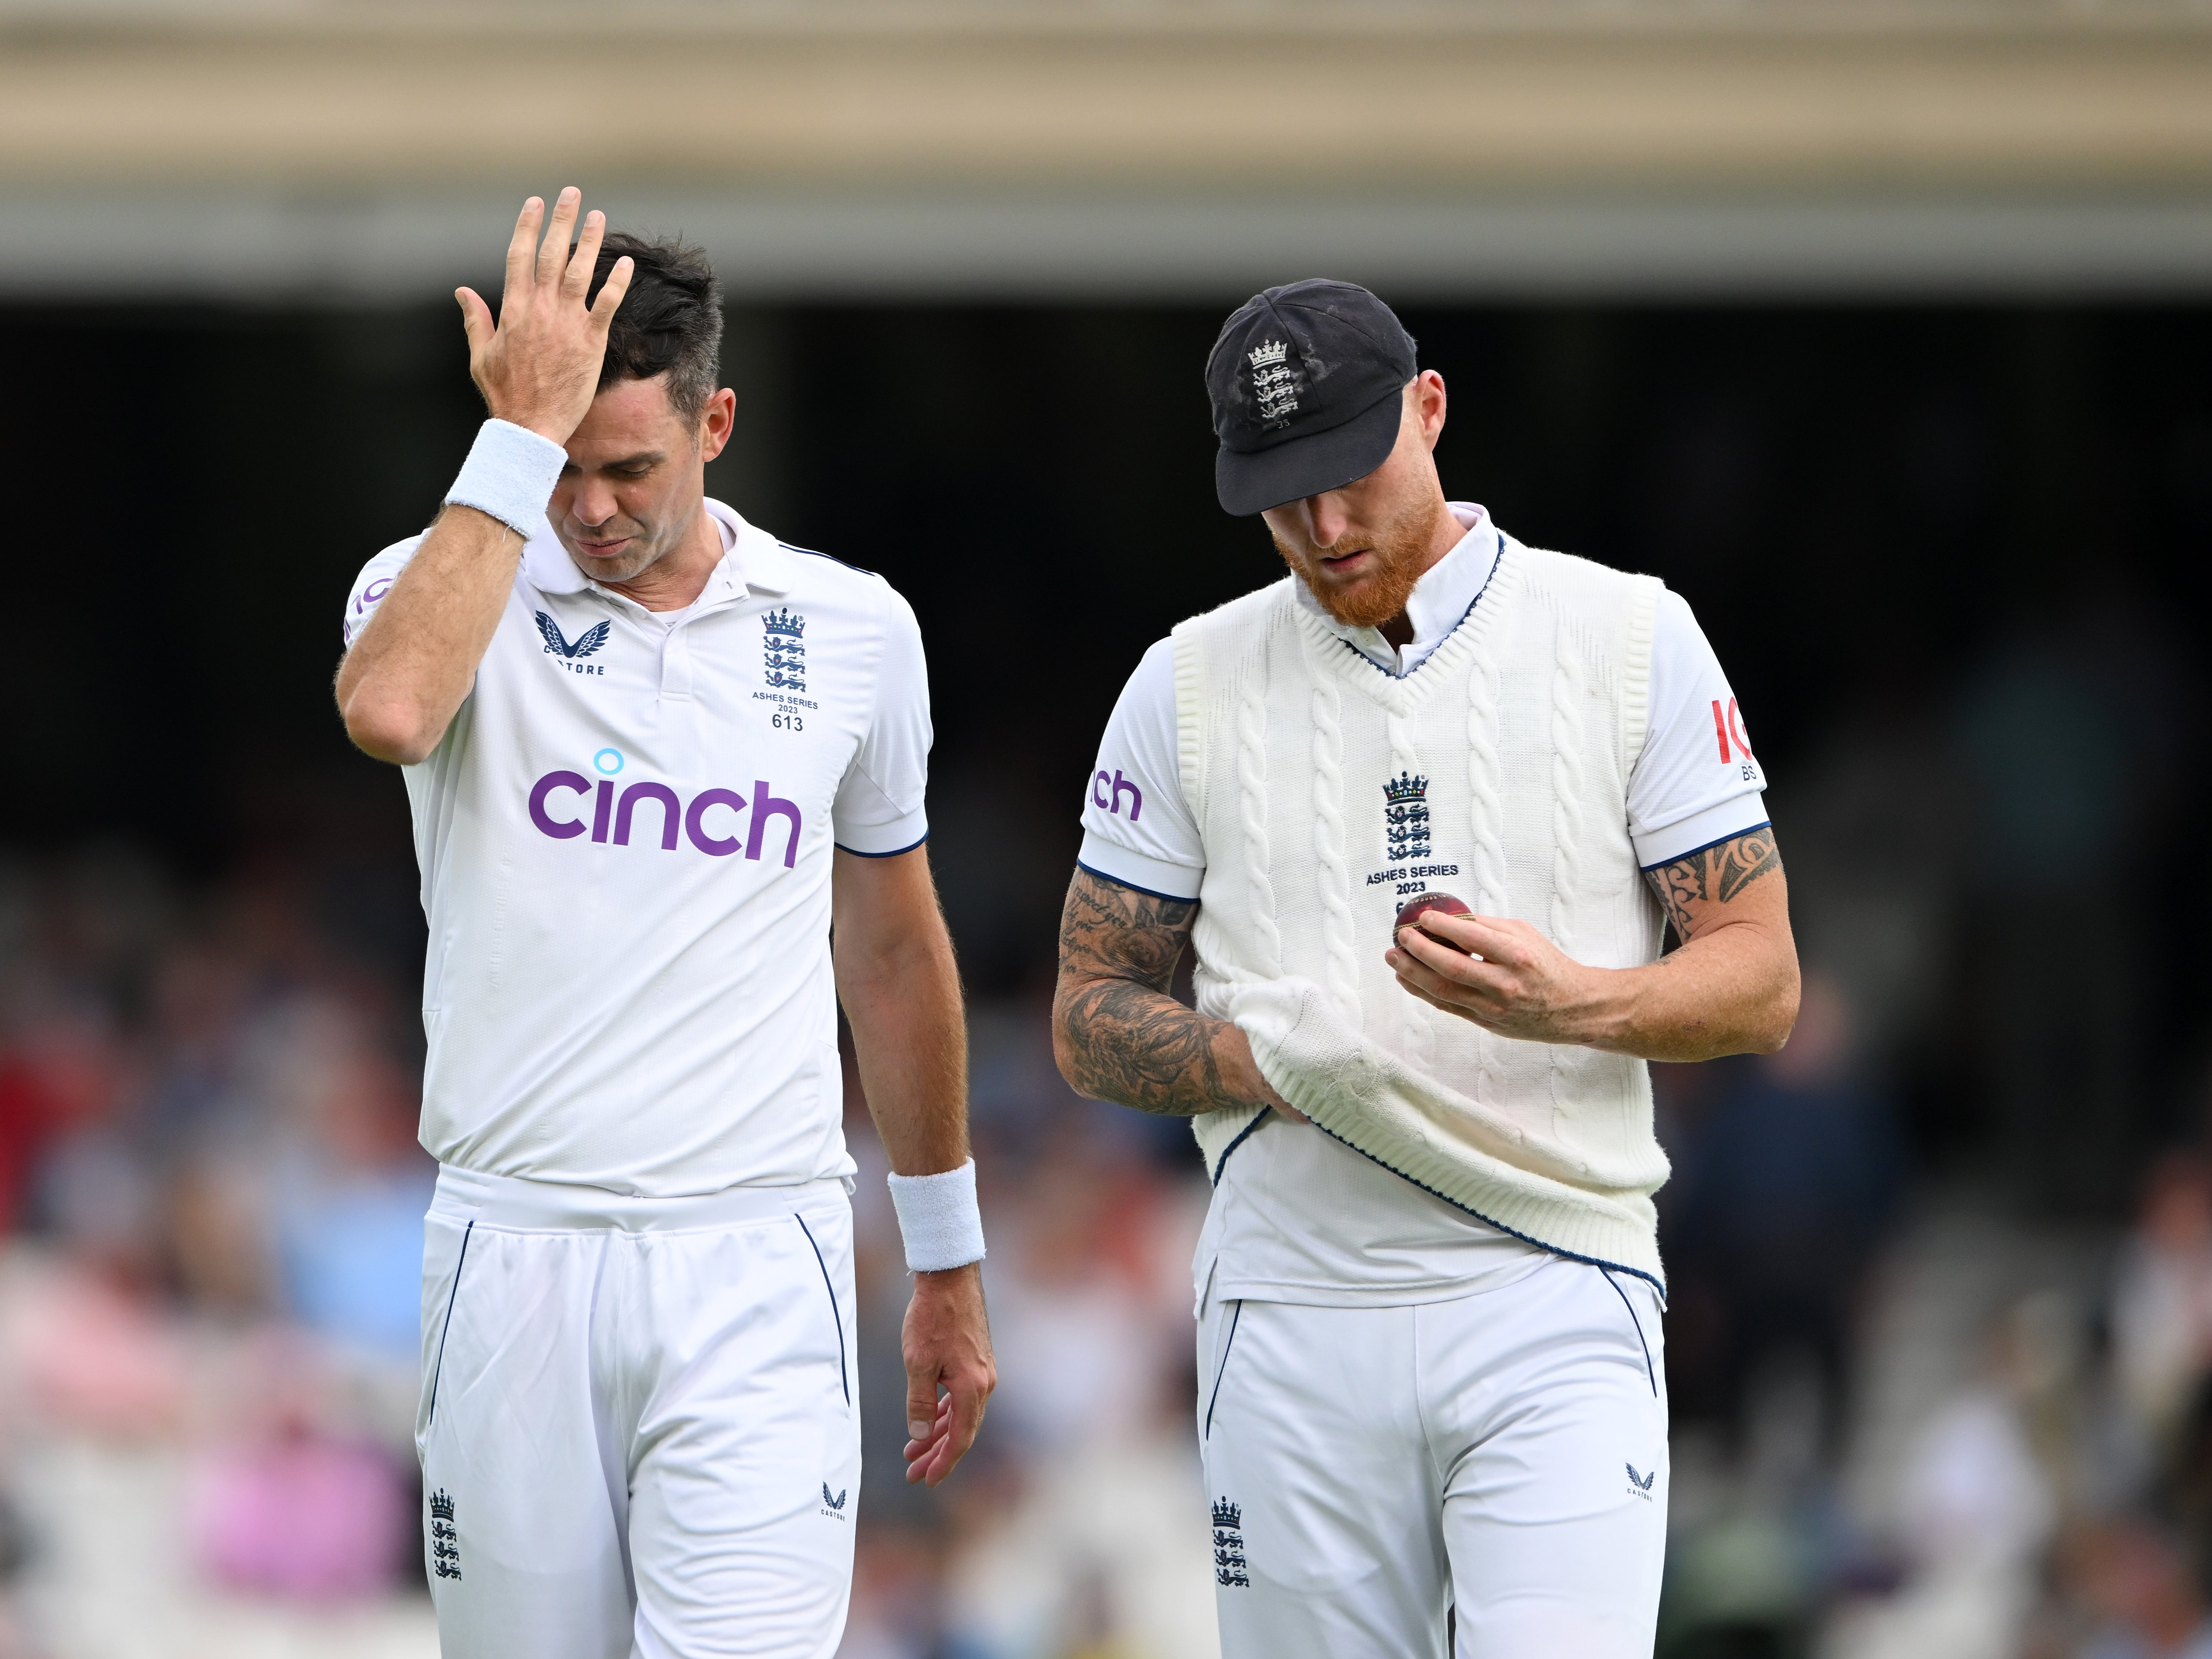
{"x": 1229, "y": 1563}
{"x": 445, "y": 1541}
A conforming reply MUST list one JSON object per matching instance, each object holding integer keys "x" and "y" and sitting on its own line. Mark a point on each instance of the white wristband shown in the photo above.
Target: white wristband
{"x": 510, "y": 473}
{"x": 938, "y": 1218}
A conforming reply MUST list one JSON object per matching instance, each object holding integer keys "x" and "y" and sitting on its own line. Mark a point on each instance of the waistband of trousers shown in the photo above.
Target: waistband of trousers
{"x": 518, "y": 1204}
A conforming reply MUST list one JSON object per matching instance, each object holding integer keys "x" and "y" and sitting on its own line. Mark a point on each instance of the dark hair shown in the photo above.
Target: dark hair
{"x": 669, "y": 322}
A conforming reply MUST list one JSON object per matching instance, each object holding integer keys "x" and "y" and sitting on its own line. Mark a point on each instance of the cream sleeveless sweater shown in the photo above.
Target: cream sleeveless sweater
{"x": 1326, "y": 791}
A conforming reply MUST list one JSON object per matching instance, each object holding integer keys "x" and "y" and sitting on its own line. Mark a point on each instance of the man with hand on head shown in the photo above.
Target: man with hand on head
{"x": 653, "y": 754}
{"x": 1431, "y": 1373}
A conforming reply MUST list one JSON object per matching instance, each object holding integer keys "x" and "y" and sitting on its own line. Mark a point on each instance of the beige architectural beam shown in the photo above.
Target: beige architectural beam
{"x": 352, "y": 98}
{"x": 1120, "y": 148}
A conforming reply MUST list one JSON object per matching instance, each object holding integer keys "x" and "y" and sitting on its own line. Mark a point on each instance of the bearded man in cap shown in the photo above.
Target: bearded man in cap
{"x": 1431, "y": 1384}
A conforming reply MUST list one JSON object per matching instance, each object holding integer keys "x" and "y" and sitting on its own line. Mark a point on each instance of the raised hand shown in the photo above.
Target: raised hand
{"x": 538, "y": 366}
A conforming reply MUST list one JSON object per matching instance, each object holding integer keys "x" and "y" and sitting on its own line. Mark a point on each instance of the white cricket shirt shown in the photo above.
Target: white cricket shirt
{"x": 1298, "y": 1216}
{"x": 625, "y": 841}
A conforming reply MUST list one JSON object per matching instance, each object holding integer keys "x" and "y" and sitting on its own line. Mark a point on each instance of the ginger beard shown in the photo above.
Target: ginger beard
{"x": 1400, "y": 548}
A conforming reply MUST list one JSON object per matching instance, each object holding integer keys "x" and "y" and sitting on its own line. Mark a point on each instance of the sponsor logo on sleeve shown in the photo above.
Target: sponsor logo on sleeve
{"x": 1735, "y": 747}
{"x": 363, "y": 603}
{"x": 1107, "y": 789}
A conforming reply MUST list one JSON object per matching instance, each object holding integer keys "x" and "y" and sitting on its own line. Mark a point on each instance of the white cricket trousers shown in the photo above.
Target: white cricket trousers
{"x": 637, "y": 1426}
{"x": 1504, "y": 1455}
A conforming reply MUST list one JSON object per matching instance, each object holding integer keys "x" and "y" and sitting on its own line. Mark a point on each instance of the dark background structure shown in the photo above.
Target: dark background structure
{"x": 1872, "y": 509}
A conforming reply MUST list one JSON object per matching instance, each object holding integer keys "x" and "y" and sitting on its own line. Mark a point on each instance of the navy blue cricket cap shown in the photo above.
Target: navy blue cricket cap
{"x": 1304, "y": 381}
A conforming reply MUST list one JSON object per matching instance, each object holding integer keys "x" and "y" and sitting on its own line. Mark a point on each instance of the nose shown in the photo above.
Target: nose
{"x": 1326, "y": 518}
{"x": 593, "y": 503}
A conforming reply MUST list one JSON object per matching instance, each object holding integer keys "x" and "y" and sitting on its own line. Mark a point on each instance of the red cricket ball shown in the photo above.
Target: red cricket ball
{"x": 1410, "y": 912}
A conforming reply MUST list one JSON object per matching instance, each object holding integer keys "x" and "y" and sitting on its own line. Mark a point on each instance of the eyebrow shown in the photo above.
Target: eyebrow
{"x": 643, "y": 457}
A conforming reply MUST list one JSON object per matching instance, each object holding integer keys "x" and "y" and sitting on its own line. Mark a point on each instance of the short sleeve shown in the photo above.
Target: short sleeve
{"x": 1696, "y": 782}
{"x": 1136, "y": 828}
{"x": 374, "y": 583}
{"x": 880, "y": 806}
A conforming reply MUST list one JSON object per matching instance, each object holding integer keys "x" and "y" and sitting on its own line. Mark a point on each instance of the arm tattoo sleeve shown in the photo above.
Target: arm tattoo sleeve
{"x": 1123, "y": 1037}
{"x": 1690, "y": 887}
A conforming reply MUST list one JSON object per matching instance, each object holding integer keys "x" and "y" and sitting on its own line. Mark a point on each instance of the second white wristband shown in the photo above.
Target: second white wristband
{"x": 938, "y": 1218}
{"x": 509, "y": 474}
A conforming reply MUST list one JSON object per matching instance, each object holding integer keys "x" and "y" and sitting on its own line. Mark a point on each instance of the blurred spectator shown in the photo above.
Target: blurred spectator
{"x": 1786, "y": 1171}
{"x": 352, "y": 1189}
{"x": 2162, "y": 1297}
{"x": 2137, "y": 1594}
{"x": 1874, "y": 849}
{"x": 285, "y": 1502}
{"x": 1978, "y": 1509}
{"x": 59, "y": 1074}
{"x": 2074, "y": 733}
{"x": 207, "y": 1299}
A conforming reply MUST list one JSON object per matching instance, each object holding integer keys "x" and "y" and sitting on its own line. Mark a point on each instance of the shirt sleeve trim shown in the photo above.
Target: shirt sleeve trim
{"x": 1177, "y": 898}
{"x": 895, "y": 852}
{"x": 1721, "y": 840}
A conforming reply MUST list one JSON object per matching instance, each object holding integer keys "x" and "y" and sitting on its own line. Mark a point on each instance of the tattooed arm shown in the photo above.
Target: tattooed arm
{"x": 1729, "y": 988}
{"x": 1118, "y": 1033}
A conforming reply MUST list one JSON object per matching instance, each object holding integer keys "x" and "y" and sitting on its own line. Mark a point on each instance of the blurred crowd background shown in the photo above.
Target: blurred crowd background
{"x": 1885, "y": 338}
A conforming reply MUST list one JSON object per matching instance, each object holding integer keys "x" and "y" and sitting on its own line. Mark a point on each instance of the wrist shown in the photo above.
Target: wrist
{"x": 949, "y": 1276}
{"x": 1240, "y": 1071}
{"x": 1599, "y": 1013}
{"x": 538, "y": 424}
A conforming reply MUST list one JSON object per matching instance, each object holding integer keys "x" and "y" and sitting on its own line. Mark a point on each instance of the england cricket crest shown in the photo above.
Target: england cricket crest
{"x": 1274, "y": 384}
{"x": 1230, "y": 1570}
{"x": 1406, "y": 817}
{"x": 445, "y": 1540}
{"x": 783, "y": 651}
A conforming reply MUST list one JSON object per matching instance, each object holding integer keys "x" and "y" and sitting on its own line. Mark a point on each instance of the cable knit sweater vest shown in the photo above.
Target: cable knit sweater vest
{"x": 1327, "y": 791}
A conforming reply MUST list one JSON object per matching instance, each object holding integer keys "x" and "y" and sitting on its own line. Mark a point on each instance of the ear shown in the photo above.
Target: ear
{"x": 715, "y": 422}
{"x": 1428, "y": 405}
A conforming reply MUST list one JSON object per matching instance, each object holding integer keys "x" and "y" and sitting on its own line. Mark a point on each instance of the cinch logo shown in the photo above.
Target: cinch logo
{"x": 614, "y": 816}
{"x": 1120, "y": 786}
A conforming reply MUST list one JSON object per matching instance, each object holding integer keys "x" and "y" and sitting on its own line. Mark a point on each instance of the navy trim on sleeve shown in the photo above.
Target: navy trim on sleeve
{"x": 1176, "y": 898}
{"x": 895, "y": 853}
{"x": 1747, "y": 829}
{"x": 813, "y": 553}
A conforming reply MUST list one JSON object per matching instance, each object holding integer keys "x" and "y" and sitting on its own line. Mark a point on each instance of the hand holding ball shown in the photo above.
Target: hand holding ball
{"x": 1411, "y": 912}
